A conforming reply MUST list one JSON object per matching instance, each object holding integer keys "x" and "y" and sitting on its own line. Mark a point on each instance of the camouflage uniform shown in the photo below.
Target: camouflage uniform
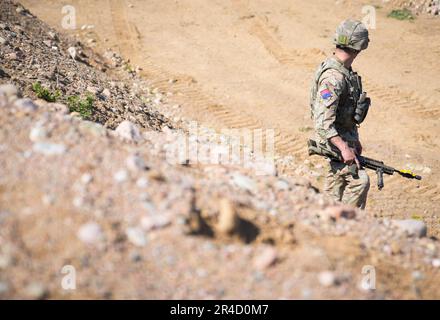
{"x": 335, "y": 93}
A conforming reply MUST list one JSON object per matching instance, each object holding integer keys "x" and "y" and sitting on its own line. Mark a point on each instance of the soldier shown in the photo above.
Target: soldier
{"x": 338, "y": 107}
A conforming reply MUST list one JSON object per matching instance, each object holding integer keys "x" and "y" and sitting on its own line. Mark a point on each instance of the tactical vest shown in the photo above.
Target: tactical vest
{"x": 348, "y": 100}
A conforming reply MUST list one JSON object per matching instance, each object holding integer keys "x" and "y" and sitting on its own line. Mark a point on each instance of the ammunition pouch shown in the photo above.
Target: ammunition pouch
{"x": 362, "y": 107}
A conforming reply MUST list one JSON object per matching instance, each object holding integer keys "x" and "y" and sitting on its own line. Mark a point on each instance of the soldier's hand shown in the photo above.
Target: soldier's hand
{"x": 349, "y": 156}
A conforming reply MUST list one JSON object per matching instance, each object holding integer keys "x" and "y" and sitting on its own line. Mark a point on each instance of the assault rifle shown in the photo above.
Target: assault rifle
{"x": 378, "y": 166}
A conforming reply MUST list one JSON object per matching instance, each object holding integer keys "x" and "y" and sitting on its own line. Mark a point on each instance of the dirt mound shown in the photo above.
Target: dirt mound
{"x": 112, "y": 208}
{"x": 33, "y": 53}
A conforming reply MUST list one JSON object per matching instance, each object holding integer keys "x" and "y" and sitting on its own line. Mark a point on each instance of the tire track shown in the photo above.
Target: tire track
{"x": 182, "y": 86}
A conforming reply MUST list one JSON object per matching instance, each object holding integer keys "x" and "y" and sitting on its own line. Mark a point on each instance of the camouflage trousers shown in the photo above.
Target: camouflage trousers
{"x": 342, "y": 186}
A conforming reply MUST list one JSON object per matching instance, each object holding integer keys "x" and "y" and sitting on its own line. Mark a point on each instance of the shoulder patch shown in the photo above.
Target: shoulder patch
{"x": 326, "y": 94}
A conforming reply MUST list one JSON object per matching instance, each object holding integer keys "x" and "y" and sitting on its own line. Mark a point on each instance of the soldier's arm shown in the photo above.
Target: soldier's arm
{"x": 329, "y": 92}
{"x": 330, "y": 88}
{"x": 347, "y": 153}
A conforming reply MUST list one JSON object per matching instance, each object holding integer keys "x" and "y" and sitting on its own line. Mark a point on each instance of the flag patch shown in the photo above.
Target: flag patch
{"x": 326, "y": 94}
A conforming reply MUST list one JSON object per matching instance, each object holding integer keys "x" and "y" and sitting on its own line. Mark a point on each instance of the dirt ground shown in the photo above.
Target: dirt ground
{"x": 248, "y": 64}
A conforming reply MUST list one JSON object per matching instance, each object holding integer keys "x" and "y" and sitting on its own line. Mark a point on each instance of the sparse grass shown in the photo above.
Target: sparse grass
{"x": 401, "y": 14}
{"x": 44, "y": 93}
{"x": 83, "y": 106}
{"x": 305, "y": 129}
{"x": 129, "y": 68}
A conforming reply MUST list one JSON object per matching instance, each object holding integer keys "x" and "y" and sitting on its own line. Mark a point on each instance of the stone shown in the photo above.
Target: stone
{"x": 4, "y": 288}
{"x": 26, "y": 105}
{"x": 59, "y": 107}
{"x": 90, "y": 233}
{"x": 3, "y": 41}
{"x": 395, "y": 248}
{"x": 244, "y": 182}
{"x": 93, "y": 90}
{"x": 412, "y": 227}
{"x": 5, "y": 261}
{"x": 337, "y": 212}
{"x": 86, "y": 178}
{"x": 36, "y": 290}
{"x": 72, "y": 52}
{"x": 135, "y": 163}
{"x": 155, "y": 222}
{"x": 142, "y": 182}
{"x": 266, "y": 258}
{"x": 38, "y": 133}
{"x": 327, "y": 278}
{"x": 136, "y": 236}
{"x": 49, "y": 149}
{"x": 228, "y": 219}
{"x": 12, "y": 56}
{"x": 436, "y": 263}
{"x": 48, "y": 199}
{"x": 9, "y": 91}
{"x": 128, "y": 131}
{"x": 106, "y": 93}
{"x": 120, "y": 176}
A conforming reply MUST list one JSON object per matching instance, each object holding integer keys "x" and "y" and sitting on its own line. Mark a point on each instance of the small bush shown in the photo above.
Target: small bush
{"x": 401, "y": 14}
{"x": 44, "y": 93}
{"x": 83, "y": 106}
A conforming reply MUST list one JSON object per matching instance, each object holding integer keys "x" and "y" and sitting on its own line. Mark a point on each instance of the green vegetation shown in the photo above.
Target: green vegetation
{"x": 305, "y": 129}
{"x": 401, "y": 14}
{"x": 129, "y": 68}
{"x": 83, "y": 106}
{"x": 44, "y": 93}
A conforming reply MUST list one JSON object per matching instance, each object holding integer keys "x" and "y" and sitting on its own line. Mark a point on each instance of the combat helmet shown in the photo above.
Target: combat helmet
{"x": 352, "y": 34}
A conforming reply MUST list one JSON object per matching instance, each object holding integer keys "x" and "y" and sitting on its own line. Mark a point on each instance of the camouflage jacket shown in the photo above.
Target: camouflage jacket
{"x": 334, "y": 95}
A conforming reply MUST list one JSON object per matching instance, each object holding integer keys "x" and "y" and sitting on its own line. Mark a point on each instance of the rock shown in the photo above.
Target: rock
{"x": 53, "y": 35}
{"x": 12, "y": 56}
{"x": 106, "y": 93}
{"x": 5, "y": 261}
{"x": 90, "y": 233}
{"x": 72, "y": 52}
{"x": 135, "y": 163}
{"x": 128, "y": 131}
{"x": 48, "y": 199}
{"x": 337, "y": 212}
{"x": 49, "y": 149}
{"x": 142, "y": 183}
{"x": 3, "y": 41}
{"x": 281, "y": 185}
{"x": 36, "y": 290}
{"x": 327, "y": 279}
{"x": 266, "y": 258}
{"x": 436, "y": 263}
{"x": 38, "y": 133}
{"x": 413, "y": 228}
{"x": 244, "y": 182}
{"x": 86, "y": 178}
{"x": 93, "y": 90}
{"x": 228, "y": 219}
{"x": 4, "y": 288}
{"x": 48, "y": 43}
{"x": 417, "y": 275}
{"x": 26, "y": 105}
{"x": 59, "y": 107}
{"x": 136, "y": 236}
{"x": 120, "y": 176}
{"x": 155, "y": 222}
{"x": 9, "y": 91}
{"x": 395, "y": 248}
